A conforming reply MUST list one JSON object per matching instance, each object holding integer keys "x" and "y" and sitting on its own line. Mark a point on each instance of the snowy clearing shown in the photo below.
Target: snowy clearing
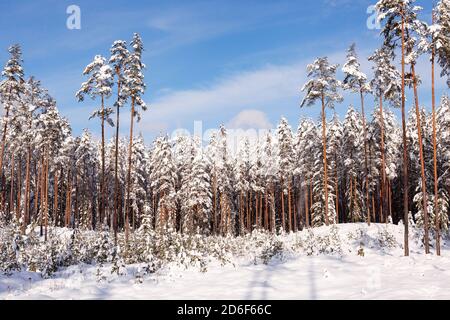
{"x": 382, "y": 273}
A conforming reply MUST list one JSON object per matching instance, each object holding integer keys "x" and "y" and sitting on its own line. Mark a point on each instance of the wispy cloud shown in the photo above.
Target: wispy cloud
{"x": 265, "y": 90}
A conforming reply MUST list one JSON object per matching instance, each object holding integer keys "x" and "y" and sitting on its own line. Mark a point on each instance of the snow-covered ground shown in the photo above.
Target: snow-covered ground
{"x": 382, "y": 273}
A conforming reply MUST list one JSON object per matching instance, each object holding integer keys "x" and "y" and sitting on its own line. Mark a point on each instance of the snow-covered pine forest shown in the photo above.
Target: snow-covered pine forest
{"x": 66, "y": 200}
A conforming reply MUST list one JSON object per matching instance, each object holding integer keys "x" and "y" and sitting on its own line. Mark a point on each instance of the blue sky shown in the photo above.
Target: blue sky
{"x": 240, "y": 63}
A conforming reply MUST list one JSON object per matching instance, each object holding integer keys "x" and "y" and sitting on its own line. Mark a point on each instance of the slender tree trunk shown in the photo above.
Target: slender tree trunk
{"x": 272, "y": 215}
{"x": 19, "y": 187}
{"x": 405, "y": 147}
{"x": 383, "y": 162}
{"x": 373, "y": 208}
{"x": 310, "y": 194}
{"x": 5, "y": 129}
{"x": 68, "y": 199}
{"x": 102, "y": 184}
{"x": 41, "y": 186}
{"x": 256, "y": 210}
{"x": 260, "y": 209}
{"x": 290, "y": 207}
{"x": 11, "y": 193}
{"x": 306, "y": 208}
{"x": 435, "y": 172}
{"x": 46, "y": 196}
{"x": 55, "y": 202}
{"x": 215, "y": 204}
{"x": 116, "y": 160}
{"x": 351, "y": 199}
{"x": 422, "y": 162}
{"x": 336, "y": 183}
{"x": 388, "y": 199}
{"x": 250, "y": 211}
{"x": 266, "y": 212}
{"x": 76, "y": 208}
{"x": 241, "y": 213}
{"x": 366, "y": 171}
{"x": 37, "y": 188}
{"x": 325, "y": 162}
{"x": 26, "y": 219}
{"x": 130, "y": 156}
{"x": 283, "y": 223}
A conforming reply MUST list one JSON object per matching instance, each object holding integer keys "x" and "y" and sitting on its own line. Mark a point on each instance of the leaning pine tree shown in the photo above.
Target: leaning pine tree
{"x": 323, "y": 86}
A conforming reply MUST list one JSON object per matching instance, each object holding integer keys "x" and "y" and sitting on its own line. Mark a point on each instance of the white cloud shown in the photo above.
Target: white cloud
{"x": 250, "y": 119}
{"x": 269, "y": 88}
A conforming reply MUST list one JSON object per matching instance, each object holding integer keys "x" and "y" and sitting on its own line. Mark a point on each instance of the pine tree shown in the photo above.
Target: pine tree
{"x": 99, "y": 84}
{"x": 118, "y": 60}
{"x": 399, "y": 18}
{"x": 323, "y": 86}
{"x": 387, "y": 87}
{"x": 10, "y": 90}
{"x": 440, "y": 31}
{"x": 432, "y": 40}
{"x": 139, "y": 179}
{"x": 356, "y": 81}
{"x": 86, "y": 172}
{"x": 334, "y": 142}
{"x": 184, "y": 154}
{"x": 163, "y": 182}
{"x": 134, "y": 87}
{"x": 223, "y": 168}
{"x": 322, "y": 206}
{"x": 307, "y": 142}
{"x": 34, "y": 94}
{"x": 199, "y": 203}
{"x": 242, "y": 174}
{"x": 443, "y": 156}
{"x": 285, "y": 162}
{"x": 270, "y": 176}
{"x": 353, "y": 150}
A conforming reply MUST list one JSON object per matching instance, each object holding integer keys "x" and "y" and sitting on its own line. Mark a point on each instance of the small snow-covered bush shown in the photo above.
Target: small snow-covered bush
{"x": 329, "y": 243}
{"x": 386, "y": 239}
{"x": 272, "y": 250}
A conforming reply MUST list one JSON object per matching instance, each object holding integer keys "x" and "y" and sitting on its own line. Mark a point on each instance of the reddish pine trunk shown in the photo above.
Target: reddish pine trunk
{"x": 130, "y": 154}
{"x": 306, "y": 208}
{"x": 290, "y": 207}
{"x": 26, "y": 219}
{"x": 19, "y": 187}
{"x": 116, "y": 160}
{"x": 5, "y": 129}
{"x": 11, "y": 194}
{"x": 405, "y": 147}
{"x": 266, "y": 212}
{"x": 336, "y": 183}
{"x": 366, "y": 176}
{"x": 435, "y": 173}
{"x": 325, "y": 162}
{"x": 55, "y": 202}
{"x": 383, "y": 163}
{"x": 422, "y": 162}
{"x": 283, "y": 223}
{"x": 68, "y": 200}
{"x": 102, "y": 185}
